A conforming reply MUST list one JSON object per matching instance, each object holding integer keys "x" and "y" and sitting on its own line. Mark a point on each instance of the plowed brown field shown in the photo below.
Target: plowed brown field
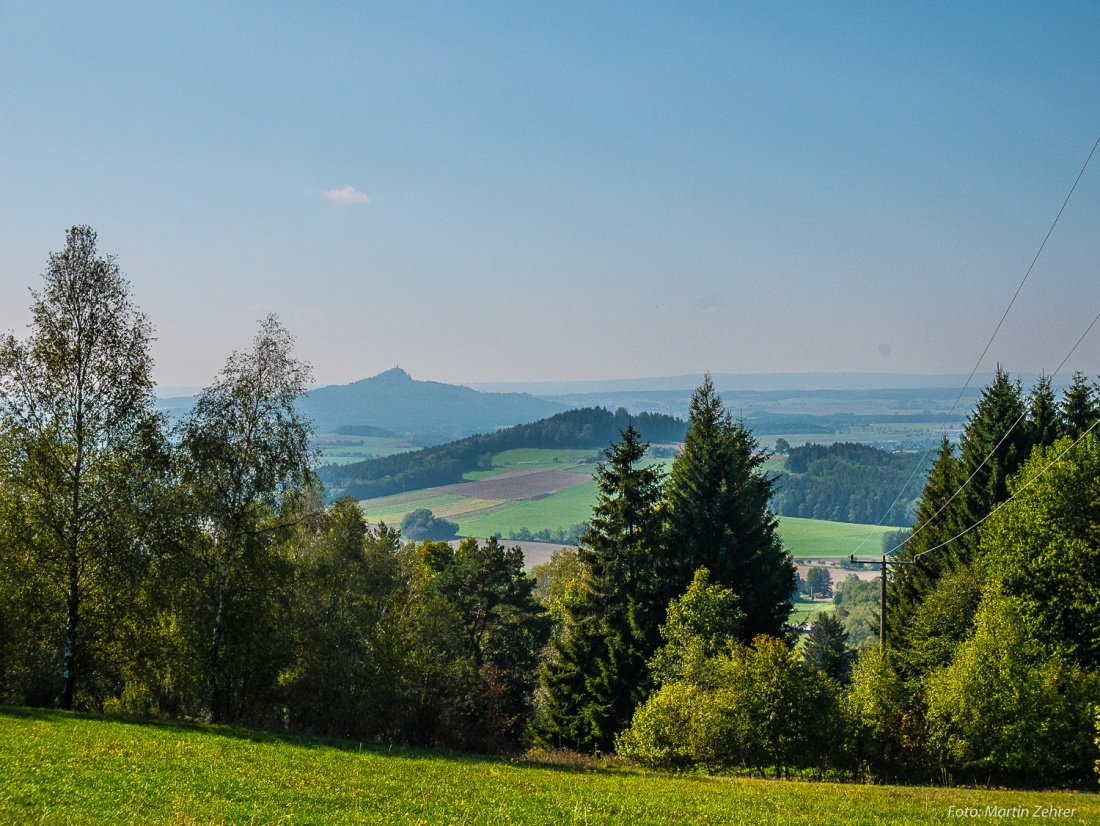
{"x": 525, "y": 483}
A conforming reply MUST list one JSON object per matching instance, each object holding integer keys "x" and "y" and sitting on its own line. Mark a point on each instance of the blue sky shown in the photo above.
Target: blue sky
{"x": 565, "y": 190}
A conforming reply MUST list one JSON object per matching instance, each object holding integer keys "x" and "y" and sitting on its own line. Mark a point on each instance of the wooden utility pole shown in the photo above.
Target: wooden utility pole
{"x": 882, "y": 590}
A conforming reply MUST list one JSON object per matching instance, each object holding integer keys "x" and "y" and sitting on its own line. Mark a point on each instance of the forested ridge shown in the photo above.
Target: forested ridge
{"x": 194, "y": 571}
{"x": 848, "y": 482}
{"x": 445, "y": 464}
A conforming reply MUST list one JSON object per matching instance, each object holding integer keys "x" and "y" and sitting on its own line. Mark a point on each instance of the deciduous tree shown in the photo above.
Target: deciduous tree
{"x": 245, "y": 447}
{"x": 76, "y": 409}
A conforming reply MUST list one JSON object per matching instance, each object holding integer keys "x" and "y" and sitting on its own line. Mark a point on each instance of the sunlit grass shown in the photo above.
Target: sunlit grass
{"x": 67, "y": 769}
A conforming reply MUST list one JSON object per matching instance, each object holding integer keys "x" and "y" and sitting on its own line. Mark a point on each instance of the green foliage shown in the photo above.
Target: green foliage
{"x": 669, "y": 730}
{"x": 351, "y": 640}
{"x": 826, "y": 648}
{"x": 758, "y": 707}
{"x": 82, "y": 451}
{"x": 1043, "y": 548}
{"x": 818, "y": 583}
{"x": 505, "y": 630}
{"x": 421, "y": 524}
{"x": 1003, "y": 707}
{"x": 557, "y": 580}
{"x": 942, "y": 620}
{"x": 1080, "y": 406}
{"x": 994, "y": 446}
{"x": 895, "y": 540}
{"x": 1044, "y": 424}
{"x": 596, "y": 671}
{"x": 937, "y": 522}
{"x": 244, "y": 452}
{"x": 882, "y": 730}
{"x": 700, "y": 624}
{"x": 848, "y": 482}
{"x": 570, "y": 535}
{"x": 961, "y": 491}
{"x": 718, "y": 517}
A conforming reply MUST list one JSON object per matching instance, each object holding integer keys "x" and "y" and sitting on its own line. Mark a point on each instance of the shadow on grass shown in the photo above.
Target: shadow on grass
{"x": 554, "y": 761}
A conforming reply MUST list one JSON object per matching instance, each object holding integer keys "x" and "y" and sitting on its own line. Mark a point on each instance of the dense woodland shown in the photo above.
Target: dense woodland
{"x": 195, "y": 571}
{"x": 445, "y": 464}
{"x": 847, "y": 482}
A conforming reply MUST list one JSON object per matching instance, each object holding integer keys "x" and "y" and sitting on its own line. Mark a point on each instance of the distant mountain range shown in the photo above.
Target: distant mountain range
{"x": 725, "y": 382}
{"x": 771, "y": 403}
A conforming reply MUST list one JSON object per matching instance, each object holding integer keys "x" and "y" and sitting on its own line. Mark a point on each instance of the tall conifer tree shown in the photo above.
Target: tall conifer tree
{"x": 960, "y": 493}
{"x": 597, "y": 673}
{"x": 1080, "y": 406}
{"x": 719, "y": 517}
{"x": 1043, "y": 416}
{"x": 994, "y": 445}
{"x": 937, "y": 522}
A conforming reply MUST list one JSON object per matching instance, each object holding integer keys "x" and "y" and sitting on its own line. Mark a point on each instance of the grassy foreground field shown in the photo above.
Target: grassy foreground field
{"x": 66, "y": 768}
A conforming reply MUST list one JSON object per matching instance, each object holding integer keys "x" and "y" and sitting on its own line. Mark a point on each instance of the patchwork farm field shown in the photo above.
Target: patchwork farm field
{"x": 63, "y": 768}
{"x": 554, "y": 489}
{"x": 575, "y": 461}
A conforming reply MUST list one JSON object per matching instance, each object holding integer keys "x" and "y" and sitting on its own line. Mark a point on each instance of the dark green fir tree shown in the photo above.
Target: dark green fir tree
{"x": 596, "y": 673}
{"x": 826, "y": 648}
{"x": 1043, "y": 417}
{"x": 719, "y": 518}
{"x": 1080, "y": 406}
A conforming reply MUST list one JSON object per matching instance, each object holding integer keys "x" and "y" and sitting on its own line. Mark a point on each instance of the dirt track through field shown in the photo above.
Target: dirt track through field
{"x": 525, "y": 483}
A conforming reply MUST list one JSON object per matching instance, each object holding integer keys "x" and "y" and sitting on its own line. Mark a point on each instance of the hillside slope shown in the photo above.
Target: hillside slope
{"x": 445, "y": 464}
{"x": 396, "y": 401}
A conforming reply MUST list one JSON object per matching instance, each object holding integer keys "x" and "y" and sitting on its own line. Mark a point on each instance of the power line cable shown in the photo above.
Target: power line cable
{"x": 997, "y": 446}
{"x": 988, "y": 344}
{"x": 1020, "y": 490}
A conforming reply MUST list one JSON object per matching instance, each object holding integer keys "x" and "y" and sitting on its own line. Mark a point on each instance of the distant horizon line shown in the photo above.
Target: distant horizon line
{"x": 763, "y": 382}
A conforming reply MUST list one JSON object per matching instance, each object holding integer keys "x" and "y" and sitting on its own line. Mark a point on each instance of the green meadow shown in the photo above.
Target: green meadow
{"x": 62, "y": 768}
{"x": 804, "y": 611}
{"x": 581, "y": 461}
{"x": 562, "y": 509}
{"x": 343, "y": 450}
{"x": 482, "y": 517}
{"x": 812, "y": 538}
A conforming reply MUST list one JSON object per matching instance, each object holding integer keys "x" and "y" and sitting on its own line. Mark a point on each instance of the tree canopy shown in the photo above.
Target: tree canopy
{"x": 82, "y": 440}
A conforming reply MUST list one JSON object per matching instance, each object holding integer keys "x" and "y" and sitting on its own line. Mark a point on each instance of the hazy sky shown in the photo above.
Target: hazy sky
{"x": 510, "y": 191}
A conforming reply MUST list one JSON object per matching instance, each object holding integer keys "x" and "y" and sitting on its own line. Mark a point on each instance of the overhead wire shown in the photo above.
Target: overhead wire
{"x": 996, "y": 447}
{"x": 1015, "y": 493}
{"x": 985, "y": 350}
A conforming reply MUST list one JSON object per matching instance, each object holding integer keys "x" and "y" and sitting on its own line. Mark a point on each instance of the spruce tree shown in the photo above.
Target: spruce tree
{"x": 596, "y": 674}
{"x": 959, "y": 494}
{"x": 994, "y": 445}
{"x": 719, "y": 518}
{"x": 1080, "y": 406}
{"x": 1043, "y": 416}
{"x": 826, "y": 648}
{"x": 937, "y": 522}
